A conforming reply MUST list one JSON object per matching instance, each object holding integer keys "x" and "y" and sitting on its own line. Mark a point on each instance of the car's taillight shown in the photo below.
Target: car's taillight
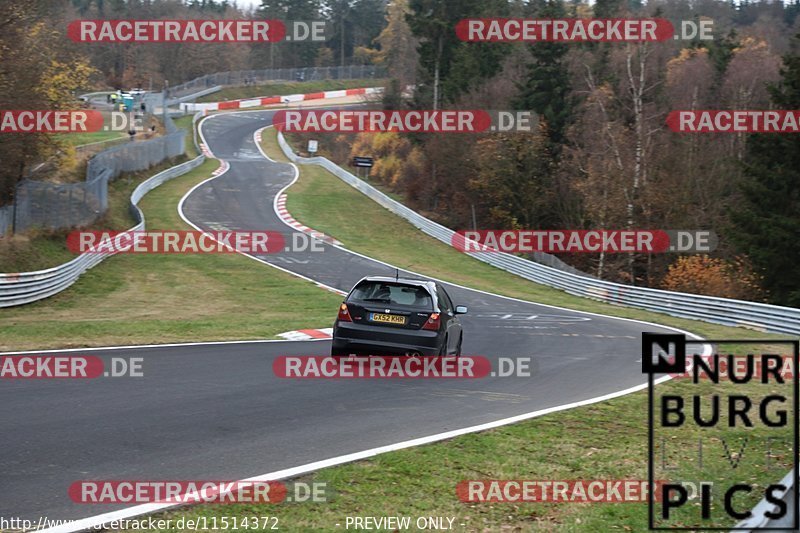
{"x": 432, "y": 322}
{"x": 344, "y": 313}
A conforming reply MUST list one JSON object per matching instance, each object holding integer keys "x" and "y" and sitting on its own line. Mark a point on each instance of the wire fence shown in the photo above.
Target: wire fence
{"x": 40, "y": 204}
{"x": 243, "y": 77}
{"x": 26, "y": 287}
{"x": 88, "y": 150}
{"x": 209, "y": 83}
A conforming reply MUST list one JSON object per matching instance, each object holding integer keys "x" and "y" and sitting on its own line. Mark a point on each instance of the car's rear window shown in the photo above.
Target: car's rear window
{"x": 392, "y": 293}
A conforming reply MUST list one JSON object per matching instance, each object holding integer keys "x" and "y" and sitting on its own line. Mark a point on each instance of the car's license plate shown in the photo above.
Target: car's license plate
{"x": 389, "y": 319}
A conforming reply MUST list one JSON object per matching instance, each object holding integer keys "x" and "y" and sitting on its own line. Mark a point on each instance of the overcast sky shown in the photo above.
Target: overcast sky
{"x": 247, "y": 4}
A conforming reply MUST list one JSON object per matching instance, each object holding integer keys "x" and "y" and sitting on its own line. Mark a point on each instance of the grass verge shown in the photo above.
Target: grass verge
{"x": 79, "y": 139}
{"x": 324, "y": 202}
{"x": 39, "y": 249}
{"x": 122, "y": 300}
{"x": 603, "y": 441}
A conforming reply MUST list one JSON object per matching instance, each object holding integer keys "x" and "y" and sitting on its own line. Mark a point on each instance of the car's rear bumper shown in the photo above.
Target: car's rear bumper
{"x": 374, "y": 340}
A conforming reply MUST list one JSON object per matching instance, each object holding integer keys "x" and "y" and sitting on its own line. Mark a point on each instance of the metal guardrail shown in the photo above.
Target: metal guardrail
{"x": 27, "y": 287}
{"x": 154, "y": 102}
{"x": 763, "y": 317}
{"x": 759, "y": 520}
{"x": 194, "y": 96}
{"x": 771, "y": 318}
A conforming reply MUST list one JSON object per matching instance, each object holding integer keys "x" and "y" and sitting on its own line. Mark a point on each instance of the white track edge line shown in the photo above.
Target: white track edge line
{"x": 341, "y": 247}
{"x": 165, "y": 345}
{"x": 130, "y": 512}
{"x": 96, "y": 521}
{"x": 195, "y": 226}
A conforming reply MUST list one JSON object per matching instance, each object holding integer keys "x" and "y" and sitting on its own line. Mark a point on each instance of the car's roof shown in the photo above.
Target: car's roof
{"x": 405, "y": 281}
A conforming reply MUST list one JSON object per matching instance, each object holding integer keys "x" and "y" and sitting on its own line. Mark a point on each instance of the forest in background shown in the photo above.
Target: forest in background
{"x": 602, "y": 157}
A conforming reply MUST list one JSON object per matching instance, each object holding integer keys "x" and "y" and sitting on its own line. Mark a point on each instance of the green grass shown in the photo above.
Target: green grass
{"x": 143, "y": 299}
{"x": 606, "y": 441}
{"x": 35, "y": 250}
{"x": 284, "y": 88}
{"x": 137, "y": 299}
{"x": 603, "y": 441}
{"x": 39, "y": 249}
{"x": 324, "y": 202}
{"x": 78, "y": 139}
{"x": 185, "y": 123}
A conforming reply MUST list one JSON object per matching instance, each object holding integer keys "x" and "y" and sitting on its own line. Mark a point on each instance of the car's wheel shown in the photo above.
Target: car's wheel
{"x": 458, "y": 348}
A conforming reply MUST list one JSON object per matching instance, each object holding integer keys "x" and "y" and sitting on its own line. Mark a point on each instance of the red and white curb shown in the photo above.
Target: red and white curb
{"x": 224, "y": 166}
{"x": 289, "y": 219}
{"x": 271, "y": 100}
{"x": 101, "y": 521}
{"x": 222, "y": 169}
{"x": 307, "y": 334}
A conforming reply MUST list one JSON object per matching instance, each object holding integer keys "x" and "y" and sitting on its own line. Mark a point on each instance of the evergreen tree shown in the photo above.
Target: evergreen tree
{"x": 768, "y": 221}
{"x": 721, "y": 50}
{"x": 283, "y": 54}
{"x": 398, "y": 47}
{"x": 449, "y": 66}
{"x": 791, "y": 12}
{"x": 432, "y": 21}
{"x": 546, "y": 88}
{"x": 608, "y": 8}
{"x": 353, "y": 23}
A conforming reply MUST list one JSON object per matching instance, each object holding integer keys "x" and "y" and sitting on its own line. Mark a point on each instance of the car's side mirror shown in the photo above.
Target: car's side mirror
{"x": 461, "y": 310}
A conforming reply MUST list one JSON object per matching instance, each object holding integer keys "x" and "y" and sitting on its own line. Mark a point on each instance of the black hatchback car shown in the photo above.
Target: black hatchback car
{"x": 397, "y": 316}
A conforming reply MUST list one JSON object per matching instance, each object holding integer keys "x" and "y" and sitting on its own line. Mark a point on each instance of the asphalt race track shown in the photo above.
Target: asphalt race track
{"x": 218, "y": 412}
